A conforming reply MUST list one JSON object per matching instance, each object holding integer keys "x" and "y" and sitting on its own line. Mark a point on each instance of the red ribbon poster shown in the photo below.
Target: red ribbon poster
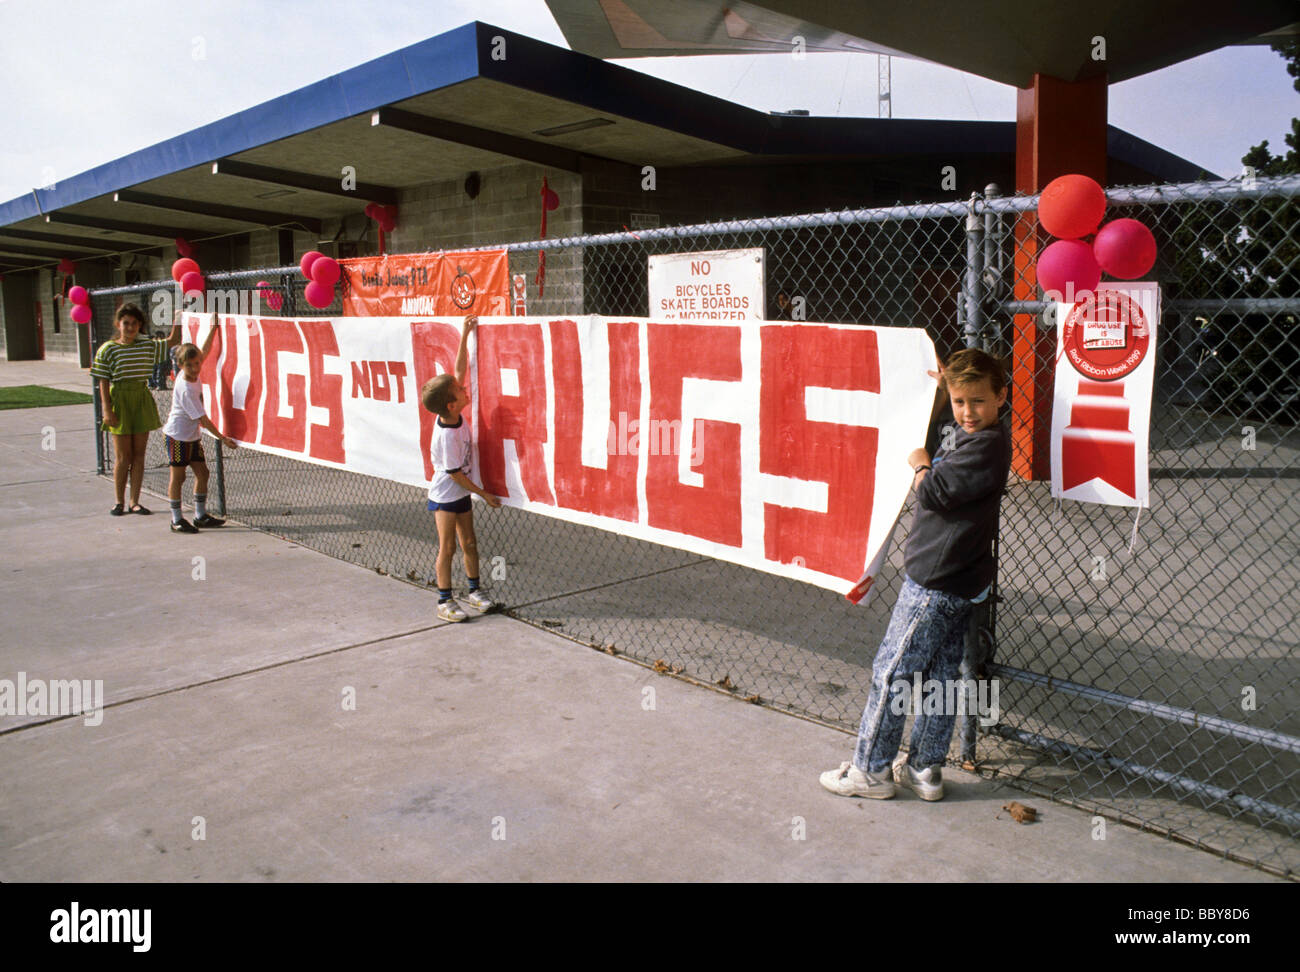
{"x": 1101, "y": 416}
{"x": 441, "y": 284}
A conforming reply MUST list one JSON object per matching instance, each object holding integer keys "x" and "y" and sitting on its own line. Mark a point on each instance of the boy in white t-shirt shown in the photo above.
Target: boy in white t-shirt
{"x": 451, "y": 451}
{"x": 181, "y": 438}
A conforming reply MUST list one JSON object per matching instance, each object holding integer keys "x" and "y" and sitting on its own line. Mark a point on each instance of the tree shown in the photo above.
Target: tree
{"x": 1259, "y": 158}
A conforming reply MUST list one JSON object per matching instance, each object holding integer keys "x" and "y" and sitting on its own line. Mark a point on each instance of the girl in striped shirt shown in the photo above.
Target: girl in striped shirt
{"x": 122, "y": 366}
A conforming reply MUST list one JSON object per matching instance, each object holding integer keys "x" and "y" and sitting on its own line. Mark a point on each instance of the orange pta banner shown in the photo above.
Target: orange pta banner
{"x": 427, "y": 284}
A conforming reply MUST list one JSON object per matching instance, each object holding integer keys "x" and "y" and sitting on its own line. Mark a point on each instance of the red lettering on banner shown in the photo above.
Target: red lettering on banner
{"x": 711, "y": 511}
{"x": 521, "y": 417}
{"x": 381, "y": 391}
{"x": 325, "y": 390}
{"x": 434, "y": 346}
{"x": 240, "y": 423}
{"x": 398, "y": 370}
{"x": 361, "y": 378}
{"x": 610, "y": 491}
{"x": 364, "y": 373}
{"x": 792, "y": 446}
{"x": 283, "y": 433}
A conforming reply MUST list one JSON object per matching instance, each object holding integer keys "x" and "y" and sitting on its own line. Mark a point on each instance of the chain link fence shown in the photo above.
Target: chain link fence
{"x": 1160, "y": 690}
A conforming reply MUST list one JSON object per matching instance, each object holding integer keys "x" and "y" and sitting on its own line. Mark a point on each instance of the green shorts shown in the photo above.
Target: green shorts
{"x": 135, "y": 408}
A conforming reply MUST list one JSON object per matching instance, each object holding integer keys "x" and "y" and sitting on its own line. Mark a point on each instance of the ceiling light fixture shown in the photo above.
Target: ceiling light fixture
{"x": 574, "y": 127}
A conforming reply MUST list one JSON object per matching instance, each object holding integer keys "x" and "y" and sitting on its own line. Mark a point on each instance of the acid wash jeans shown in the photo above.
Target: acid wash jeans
{"x": 926, "y": 634}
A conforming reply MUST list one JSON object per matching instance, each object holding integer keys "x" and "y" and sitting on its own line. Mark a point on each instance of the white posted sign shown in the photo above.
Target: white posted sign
{"x": 724, "y": 285}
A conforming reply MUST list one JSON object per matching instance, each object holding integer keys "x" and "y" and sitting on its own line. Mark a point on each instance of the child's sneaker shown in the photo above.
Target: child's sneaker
{"x": 450, "y": 611}
{"x": 927, "y": 784}
{"x": 478, "y": 600}
{"x": 849, "y": 781}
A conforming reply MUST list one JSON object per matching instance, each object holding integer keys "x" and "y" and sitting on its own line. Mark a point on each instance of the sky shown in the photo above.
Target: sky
{"x": 89, "y": 81}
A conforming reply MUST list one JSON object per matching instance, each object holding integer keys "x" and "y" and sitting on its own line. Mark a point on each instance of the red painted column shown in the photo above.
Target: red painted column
{"x": 1060, "y": 129}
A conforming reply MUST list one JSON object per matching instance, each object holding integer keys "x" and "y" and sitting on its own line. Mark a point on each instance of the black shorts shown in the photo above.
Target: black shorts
{"x": 461, "y": 505}
{"x": 183, "y": 453}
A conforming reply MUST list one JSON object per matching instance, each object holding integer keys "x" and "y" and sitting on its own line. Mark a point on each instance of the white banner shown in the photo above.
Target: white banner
{"x": 1101, "y": 414}
{"x": 763, "y": 444}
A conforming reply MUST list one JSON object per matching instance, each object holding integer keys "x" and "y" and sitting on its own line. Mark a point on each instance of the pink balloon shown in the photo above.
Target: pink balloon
{"x": 183, "y": 266}
{"x": 325, "y": 271}
{"x": 319, "y": 295}
{"x": 274, "y": 300}
{"x": 78, "y": 295}
{"x": 81, "y": 313}
{"x": 308, "y": 258}
{"x": 1125, "y": 248}
{"x": 191, "y": 282}
{"x": 1068, "y": 267}
{"x": 1071, "y": 206}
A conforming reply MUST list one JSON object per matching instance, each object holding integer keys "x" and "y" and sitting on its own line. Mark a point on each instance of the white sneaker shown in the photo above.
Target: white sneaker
{"x": 850, "y": 781}
{"x": 927, "y": 784}
{"x": 478, "y": 600}
{"x": 450, "y": 611}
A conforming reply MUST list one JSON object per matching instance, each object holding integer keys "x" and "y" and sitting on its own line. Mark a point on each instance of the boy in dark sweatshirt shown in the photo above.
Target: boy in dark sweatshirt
{"x": 948, "y": 563}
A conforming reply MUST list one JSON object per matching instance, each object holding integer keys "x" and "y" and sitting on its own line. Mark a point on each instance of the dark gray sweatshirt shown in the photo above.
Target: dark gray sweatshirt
{"x": 950, "y": 547}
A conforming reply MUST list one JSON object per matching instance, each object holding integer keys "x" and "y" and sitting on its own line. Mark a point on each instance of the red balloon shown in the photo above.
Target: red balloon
{"x": 319, "y": 295}
{"x": 326, "y": 271}
{"x": 372, "y": 210}
{"x": 78, "y": 295}
{"x": 1071, "y": 206}
{"x": 183, "y": 266}
{"x": 67, "y": 266}
{"x": 274, "y": 300}
{"x": 308, "y": 258}
{"x": 80, "y": 313}
{"x": 183, "y": 247}
{"x": 1067, "y": 267}
{"x": 1125, "y": 248}
{"x": 191, "y": 282}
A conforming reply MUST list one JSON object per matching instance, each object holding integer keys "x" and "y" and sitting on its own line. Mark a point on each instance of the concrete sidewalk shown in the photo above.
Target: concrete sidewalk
{"x": 272, "y": 714}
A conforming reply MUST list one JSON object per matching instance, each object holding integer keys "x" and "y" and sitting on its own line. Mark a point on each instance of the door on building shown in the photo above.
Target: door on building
{"x": 40, "y": 333}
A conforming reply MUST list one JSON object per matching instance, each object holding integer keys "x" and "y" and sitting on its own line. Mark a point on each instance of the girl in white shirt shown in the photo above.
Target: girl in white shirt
{"x": 182, "y": 438}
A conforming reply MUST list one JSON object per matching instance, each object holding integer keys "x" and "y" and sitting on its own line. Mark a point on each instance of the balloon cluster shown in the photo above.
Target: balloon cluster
{"x": 273, "y": 298}
{"x": 385, "y": 216}
{"x": 1070, "y": 208}
{"x": 185, "y": 272}
{"x": 80, "y": 312}
{"x": 323, "y": 273}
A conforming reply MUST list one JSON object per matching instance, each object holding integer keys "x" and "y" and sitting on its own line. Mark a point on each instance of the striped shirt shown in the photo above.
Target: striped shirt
{"x": 129, "y": 362}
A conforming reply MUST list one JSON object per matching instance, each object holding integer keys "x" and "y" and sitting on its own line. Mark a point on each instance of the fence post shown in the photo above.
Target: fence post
{"x": 973, "y": 300}
{"x": 221, "y": 479}
{"x": 95, "y": 403}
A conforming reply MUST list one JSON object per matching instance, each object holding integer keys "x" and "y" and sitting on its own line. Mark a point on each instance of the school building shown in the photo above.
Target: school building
{"x": 459, "y": 132}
